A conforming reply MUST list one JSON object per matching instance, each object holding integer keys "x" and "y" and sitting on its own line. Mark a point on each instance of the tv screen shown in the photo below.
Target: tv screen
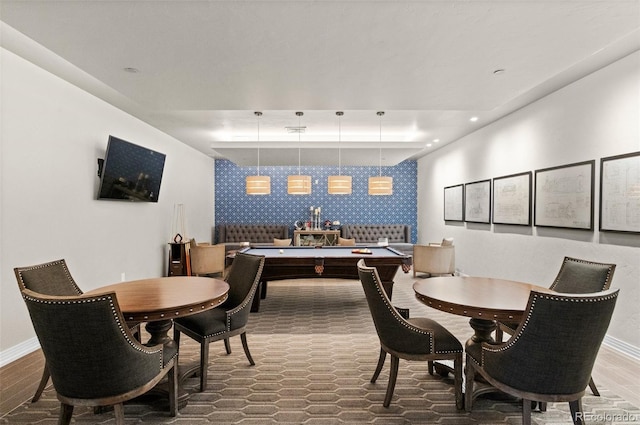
{"x": 130, "y": 172}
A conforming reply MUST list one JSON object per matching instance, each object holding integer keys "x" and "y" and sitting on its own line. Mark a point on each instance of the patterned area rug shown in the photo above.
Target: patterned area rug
{"x": 315, "y": 350}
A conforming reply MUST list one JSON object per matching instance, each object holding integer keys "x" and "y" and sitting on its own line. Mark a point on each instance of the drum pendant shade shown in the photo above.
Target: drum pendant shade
{"x": 258, "y": 185}
{"x": 299, "y": 184}
{"x": 380, "y": 185}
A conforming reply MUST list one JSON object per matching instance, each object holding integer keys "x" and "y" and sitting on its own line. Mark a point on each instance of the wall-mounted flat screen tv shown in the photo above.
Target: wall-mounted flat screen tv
{"x": 130, "y": 172}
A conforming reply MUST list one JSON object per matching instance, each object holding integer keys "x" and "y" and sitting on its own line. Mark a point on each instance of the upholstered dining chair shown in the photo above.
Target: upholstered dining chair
{"x": 416, "y": 338}
{"x": 434, "y": 259}
{"x": 576, "y": 276}
{"x": 52, "y": 278}
{"x": 561, "y": 352}
{"x": 97, "y": 361}
{"x": 207, "y": 259}
{"x": 230, "y": 318}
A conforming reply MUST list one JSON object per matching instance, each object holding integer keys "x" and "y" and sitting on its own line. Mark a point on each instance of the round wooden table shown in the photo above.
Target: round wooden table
{"x": 483, "y": 299}
{"x": 158, "y": 300}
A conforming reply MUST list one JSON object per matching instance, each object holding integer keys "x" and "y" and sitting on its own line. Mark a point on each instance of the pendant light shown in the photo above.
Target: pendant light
{"x": 258, "y": 185}
{"x": 339, "y": 185}
{"x": 299, "y": 184}
{"x": 380, "y": 185}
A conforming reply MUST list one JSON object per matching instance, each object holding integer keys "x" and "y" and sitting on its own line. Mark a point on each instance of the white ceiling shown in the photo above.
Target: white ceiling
{"x": 206, "y": 66}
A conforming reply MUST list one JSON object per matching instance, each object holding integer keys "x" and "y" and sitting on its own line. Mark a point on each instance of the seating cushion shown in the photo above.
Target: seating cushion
{"x": 207, "y": 323}
{"x": 346, "y": 242}
{"x": 444, "y": 341}
{"x": 281, "y": 242}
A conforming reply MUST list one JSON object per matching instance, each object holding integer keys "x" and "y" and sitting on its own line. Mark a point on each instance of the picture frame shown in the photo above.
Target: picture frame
{"x": 620, "y": 193}
{"x": 512, "y": 199}
{"x": 564, "y": 196}
{"x": 477, "y": 202}
{"x": 454, "y": 203}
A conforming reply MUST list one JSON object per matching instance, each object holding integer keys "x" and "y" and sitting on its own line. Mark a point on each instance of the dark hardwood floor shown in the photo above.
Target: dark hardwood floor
{"x": 19, "y": 380}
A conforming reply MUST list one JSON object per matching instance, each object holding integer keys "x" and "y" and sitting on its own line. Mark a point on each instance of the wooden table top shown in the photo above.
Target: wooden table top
{"x": 476, "y": 297}
{"x": 166, "y": 298}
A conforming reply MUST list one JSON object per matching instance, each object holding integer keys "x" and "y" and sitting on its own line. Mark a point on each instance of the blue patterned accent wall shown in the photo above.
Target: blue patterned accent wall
{"x": 234, "y": 206}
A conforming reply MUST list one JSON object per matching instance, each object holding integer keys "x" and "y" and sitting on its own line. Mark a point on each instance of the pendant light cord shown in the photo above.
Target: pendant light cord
{"x": 258, "y": 114}
{"x": 339, "y": 114}
{"x": 299, "y": 114}
{"x": 380, "y": 114}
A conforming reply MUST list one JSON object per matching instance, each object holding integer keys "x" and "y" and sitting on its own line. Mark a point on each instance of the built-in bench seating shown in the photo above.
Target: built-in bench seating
{"x": 398, "y": 235}
{"x": 233, "y": 235}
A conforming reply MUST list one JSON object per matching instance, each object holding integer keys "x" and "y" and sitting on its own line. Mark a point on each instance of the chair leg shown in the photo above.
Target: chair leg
{"x": 393, "y": 375}
{"x": 176, "y": 337}
{"x": 118, "y": 411}
{"x": 543, "y": 406}
{"x": 204, "y": 364}
{"x": 457, "y": 381}
{"x": 66, "y": 411}
{"x": 43, "y": 384}
{"x": 576, "y": 411}
{"x": 243, "y": 338}
{"x": 470, "y": 375}
{"x": 526, "y": 412}
{"x": 173, "y": 389}
{"x": 430, "y": 366}
{"x": 593, "y": 387}
{"x": 499, "y": 333}
{"x": 227, "y": 346}
{"x": 381, "y": 359}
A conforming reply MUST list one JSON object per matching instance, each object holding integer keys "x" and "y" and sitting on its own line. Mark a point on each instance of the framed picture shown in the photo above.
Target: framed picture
{"x": 564, "y": 196}
{"x": 512, "y": 199}
{"x": 477, "y": 202}
{"x": 620, "y": 193}
{"x": 454, "y": 203}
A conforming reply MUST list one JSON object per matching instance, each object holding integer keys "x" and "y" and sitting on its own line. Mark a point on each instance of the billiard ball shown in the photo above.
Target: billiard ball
{"x": 282, "y": 251}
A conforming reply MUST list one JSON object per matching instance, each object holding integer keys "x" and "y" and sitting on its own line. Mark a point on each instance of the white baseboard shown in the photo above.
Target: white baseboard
{"x": 17, "y": 351}
{"x": 623, "y": 347}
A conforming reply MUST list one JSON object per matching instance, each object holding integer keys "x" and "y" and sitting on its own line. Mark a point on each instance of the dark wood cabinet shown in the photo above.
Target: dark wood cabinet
{"x": 178, "y": 259}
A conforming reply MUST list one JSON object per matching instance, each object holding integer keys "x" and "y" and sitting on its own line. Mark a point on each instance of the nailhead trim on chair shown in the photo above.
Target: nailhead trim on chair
{"x": 49, "y": 264}
{"x": 136, "y": 345}
{"x": 241, "y": 306}
{"x": 395, "y": 313}
{"x": 605, "y": 284}
{"x": 513, "y": 339}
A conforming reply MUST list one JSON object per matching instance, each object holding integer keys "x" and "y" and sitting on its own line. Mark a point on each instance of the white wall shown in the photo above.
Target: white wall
{"x": 595, "y": 117}
{"x": 51, "y": 135}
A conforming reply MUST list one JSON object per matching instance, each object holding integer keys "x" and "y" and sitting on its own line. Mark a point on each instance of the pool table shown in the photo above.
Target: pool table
{"x": 296, "y": 262}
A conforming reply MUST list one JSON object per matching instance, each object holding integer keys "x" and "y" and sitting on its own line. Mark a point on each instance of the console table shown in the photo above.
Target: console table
{"x": 315, "y": 237}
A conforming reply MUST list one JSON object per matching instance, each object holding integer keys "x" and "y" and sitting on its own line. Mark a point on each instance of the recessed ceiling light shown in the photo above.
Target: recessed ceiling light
{"x": 436, "y": 140}
{"x": 428, "y": 145}
{"x": 473, "y": 119}
{"x": 131, "y": 70}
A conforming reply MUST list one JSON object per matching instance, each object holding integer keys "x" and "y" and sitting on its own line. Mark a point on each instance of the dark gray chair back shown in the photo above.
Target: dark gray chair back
{"x": 582, "y": 277}
{"x": 95, "y": 357}
{"x": 52, "y": 278}
{"x": 394, "y": 331}
{"x": 390, "y": 326}
{"x": 243, "y": 279}
{"x": 551, "y": 356}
